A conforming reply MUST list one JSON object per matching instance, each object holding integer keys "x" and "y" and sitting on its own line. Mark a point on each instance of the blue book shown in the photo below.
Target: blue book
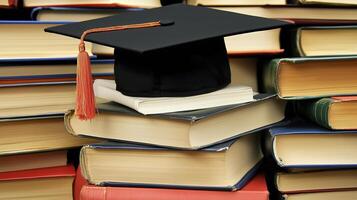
{"x": 24, "y": 72}
{"x": 72, "y": 14}
{"x": 302, "y": 144}
{"x": 228, "y": 166}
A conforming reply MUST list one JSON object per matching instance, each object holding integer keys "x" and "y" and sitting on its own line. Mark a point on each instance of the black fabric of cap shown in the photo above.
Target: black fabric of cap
{"x": 185, "y": 56}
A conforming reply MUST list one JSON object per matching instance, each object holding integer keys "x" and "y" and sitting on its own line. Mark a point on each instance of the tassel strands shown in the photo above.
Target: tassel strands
{"x": 85, "y": 102}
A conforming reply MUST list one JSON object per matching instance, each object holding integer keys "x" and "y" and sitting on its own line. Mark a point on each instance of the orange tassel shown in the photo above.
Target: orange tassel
{"x": 85, "y": 103}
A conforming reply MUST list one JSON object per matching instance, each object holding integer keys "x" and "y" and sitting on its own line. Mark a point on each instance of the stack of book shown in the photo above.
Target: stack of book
{"x": 315, "y": 153}
{"x": 37, "y": 76}
{"x": 198, "y": 147}
{"x": 194, "y": 147}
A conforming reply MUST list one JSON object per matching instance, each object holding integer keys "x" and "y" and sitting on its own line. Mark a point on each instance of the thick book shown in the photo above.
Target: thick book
{"x": 316, "y": 181}
{"x": 228, "y": 166}
{"x": 188, "y": 130}
{"x": 338, "y": 113}
{"x": 37, "y": 134}
{"x": 325, "y": 2}
{"x": 74, "y": 14}
{"x": 33, "y": 160}
{"x": 35, "y": 43}
{"x": 256, "y": 43}
{"x": 331, "y": 195}
{"x": 235, "y": 2}
{"x": 40, "y": 184}
{"x": 36, "y": 71}
{"x": 298, "y": 14}
{"x": 37, "y": 99}
{"x": 93, "y": 3}
{"x": 321, "y": 41}
{"x": 255, "y": 189}
{"x": 310, "y": 77}
{"x": 289, "y": 145}
{"x": 232, "y": 94}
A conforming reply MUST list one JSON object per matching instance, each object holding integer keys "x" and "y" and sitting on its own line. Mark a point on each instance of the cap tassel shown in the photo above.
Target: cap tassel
{"x": 85, "y": 102}
{"x": 85, "y": 105}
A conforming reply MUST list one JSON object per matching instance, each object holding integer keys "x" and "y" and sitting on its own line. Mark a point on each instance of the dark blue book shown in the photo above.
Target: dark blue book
{"x": 227, "y": 166}
{"x": 302, "y": 144}
{"x": 72, "y": 14}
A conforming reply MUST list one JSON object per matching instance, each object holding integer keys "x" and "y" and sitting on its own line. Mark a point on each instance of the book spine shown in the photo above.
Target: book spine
{"x": 291, "y": 42}
{"x": 269, "y": 76}
{"x": 316, "y": 111}
{"x": 67, "y": 122}
{"x": 90, "y": 192}
{"x": 93, "y": 193}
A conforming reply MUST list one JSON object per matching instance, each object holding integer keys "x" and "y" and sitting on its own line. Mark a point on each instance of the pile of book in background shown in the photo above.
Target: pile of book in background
{"x": 210, "y": 150}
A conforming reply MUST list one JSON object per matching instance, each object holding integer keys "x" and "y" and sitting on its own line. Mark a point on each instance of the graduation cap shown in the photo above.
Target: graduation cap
{"x": 172, "y": 51}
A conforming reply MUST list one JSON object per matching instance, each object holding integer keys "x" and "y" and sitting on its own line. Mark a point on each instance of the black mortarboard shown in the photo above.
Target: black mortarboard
{"x": 176, "y": 50}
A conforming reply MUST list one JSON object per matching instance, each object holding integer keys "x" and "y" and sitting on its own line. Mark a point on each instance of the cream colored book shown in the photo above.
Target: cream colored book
{"x": 103, "y": 3}
{"x": 37, "y": 134}
{"x": 260, "y": 42}
{"x": 235, "y": 2}
{"x": 223, "y": 166}
{"x": 328, "y": 2}
{"x": 29, "y": 40}
{"x": 289, "y": 182}
{"x": 295, "y": 13}
{"x": 189, "y": 130}
{"x": 232, "y": 94}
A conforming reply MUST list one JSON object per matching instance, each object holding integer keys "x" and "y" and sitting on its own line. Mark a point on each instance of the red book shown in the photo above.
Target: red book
{"x": 79, "y": 182}
{"x": 41, "y": 184}
{"x": 256, "y": 189}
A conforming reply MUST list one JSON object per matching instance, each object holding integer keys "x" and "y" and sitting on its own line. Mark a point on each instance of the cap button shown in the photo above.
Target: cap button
{"x": 166, "y": 22}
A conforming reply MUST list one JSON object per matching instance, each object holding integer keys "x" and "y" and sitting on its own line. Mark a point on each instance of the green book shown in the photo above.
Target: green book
{"x": 338, "y": 113}
{"x": 321, "y": 41}
{"x": 346, "y": 3}
{"x": 310, "y": 77}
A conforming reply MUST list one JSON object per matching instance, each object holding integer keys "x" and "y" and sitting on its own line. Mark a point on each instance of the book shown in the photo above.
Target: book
{"x": 37, "y": 99}
{"x": 187, "y": 130}
{"x": 290, "y": 144}
{"x": 71, "y": 14}
{"x": 338, "y": 113}
{"x": 316, "y": 181}
{"x": 79, "y": 183}
{"x": 300, "y": 15}
{"x": 34, "y": 71}
{"x": 8, "y": 3}
{"x": 311, "y": 41}
{"x": 93, "y": 3}
{"x": 326, "y": 2}
{"x": 40, "y": 184}
{"x": 235, "y": 2}
{"x": 265, "y": 42}
{"x": 310, "y": 77}
{"x": 227, "y": 166}
{"x": 33, "y": 161}
{"x": 232, "y": 94}
{"x": 37, "y": 134}
{"x": 349, "y": 194}
{"x": 35, "y": 43}
{"x": 255, "y": 189}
